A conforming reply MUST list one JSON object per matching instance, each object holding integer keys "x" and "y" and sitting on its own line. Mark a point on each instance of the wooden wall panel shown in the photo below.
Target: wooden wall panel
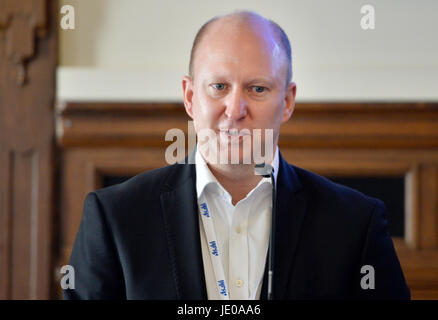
{"x": 428, "y": 200}
{"x": 28, "y": 56}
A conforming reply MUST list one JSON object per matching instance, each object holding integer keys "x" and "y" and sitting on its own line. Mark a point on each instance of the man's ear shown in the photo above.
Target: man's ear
{"x": 289, "y": 108}
{"x": 187, "y": 85}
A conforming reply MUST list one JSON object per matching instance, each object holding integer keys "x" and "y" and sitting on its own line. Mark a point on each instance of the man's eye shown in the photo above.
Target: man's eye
{"x": 259, "y": 89}
{"x": 219, "y": 86}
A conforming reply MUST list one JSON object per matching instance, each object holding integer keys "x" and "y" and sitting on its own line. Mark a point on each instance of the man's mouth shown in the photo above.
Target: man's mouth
{"x": 232, "y": 132}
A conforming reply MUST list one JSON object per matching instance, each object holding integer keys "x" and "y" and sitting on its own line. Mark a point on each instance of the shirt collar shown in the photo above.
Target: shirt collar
{"x": 204, "y": 176}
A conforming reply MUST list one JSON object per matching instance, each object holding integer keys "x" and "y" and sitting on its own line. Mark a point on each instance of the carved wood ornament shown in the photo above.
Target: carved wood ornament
{"x": 20, "y": 23}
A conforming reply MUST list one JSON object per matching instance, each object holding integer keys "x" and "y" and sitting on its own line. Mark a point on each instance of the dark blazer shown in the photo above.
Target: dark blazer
{"x": 140, "y": 240}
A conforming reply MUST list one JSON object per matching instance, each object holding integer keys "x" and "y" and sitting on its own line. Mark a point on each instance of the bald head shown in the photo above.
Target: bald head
{"x": 244, "y": 21}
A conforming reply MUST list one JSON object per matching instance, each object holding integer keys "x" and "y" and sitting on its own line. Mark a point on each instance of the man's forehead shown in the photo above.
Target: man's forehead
{"x": 226, "y": 40}
{"x": 242, "y": 28}
{"x": 239, "y": 44}
{"x": 242, "y": 39}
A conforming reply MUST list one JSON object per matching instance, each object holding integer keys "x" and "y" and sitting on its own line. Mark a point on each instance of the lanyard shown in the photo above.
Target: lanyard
{"x": 215, "y": 254}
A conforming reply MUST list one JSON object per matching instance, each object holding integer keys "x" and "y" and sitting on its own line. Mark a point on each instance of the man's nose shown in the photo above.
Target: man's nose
{"x": 236, "y": 105}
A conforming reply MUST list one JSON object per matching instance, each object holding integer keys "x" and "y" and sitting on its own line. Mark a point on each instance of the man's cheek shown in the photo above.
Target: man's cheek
{"x": 210, "y": 117}
{"x": 204, "y": 121}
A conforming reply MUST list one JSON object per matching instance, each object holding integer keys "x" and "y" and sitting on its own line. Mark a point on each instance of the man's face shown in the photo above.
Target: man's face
{"x": 239, "y": 83}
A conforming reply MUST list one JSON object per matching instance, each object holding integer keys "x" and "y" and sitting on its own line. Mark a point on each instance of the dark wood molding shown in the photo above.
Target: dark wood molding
{"x": 149, "y": 108}
{"x": 28, "y": 59}
{"x": 313, "y": 125}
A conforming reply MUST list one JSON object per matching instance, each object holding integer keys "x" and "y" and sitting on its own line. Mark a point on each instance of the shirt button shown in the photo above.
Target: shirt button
{"x": 238, "y": 230}
{"x": 239, "y": 283}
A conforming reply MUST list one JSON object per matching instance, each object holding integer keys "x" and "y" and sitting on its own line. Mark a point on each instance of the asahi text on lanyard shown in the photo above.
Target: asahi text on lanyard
{"x": 264, "y": 170}
{"x": 215, "y": 254}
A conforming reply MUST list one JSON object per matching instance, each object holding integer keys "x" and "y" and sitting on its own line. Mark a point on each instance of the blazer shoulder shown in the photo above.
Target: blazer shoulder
{"x": 141, "y": 187}
{"x": 327, "y": 192}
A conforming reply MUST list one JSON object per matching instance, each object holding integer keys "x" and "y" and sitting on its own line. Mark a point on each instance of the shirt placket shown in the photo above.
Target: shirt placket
{"x": 239, "y": 253}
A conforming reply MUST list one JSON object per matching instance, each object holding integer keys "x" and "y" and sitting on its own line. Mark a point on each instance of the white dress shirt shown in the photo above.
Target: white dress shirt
{"x": 242, "y": 232}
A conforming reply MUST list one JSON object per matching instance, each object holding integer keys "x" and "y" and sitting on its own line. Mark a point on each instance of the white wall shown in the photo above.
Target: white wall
{"x": 139, "y": 50}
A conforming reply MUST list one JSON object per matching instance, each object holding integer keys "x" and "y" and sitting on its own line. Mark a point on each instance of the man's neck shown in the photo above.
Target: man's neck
{"x": 237, "y": 179}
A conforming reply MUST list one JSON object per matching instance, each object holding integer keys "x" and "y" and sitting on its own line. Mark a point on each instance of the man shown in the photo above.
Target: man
{"x": 198, "y": 231}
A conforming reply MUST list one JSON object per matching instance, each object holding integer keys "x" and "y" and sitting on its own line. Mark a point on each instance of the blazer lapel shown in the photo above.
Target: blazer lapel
{"x": 180, "y": 215}
{"x": 291, "y": 208}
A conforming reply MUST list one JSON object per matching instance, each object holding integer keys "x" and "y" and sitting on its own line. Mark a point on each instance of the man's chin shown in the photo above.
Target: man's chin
{"x": 230, "y": 153}
{"x": 235, "y": 155}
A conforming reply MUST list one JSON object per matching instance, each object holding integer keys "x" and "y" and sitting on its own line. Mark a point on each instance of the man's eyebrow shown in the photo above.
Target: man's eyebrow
{"x": 223, "y": 78}
{"x": 261, "y": 79}
{"x": 216, "y": 78}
